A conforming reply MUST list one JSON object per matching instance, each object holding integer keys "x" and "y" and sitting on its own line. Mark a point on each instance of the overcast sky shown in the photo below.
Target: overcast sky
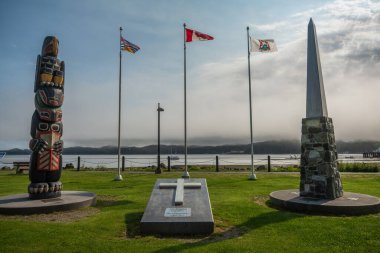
{"x": 218, "y": 107}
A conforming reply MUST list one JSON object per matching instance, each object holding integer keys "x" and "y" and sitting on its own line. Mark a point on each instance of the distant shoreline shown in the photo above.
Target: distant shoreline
{"x": 265, "y": 147}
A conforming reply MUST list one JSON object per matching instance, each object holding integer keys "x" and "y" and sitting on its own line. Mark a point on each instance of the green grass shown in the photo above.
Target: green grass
{"x": 244, "y": 223}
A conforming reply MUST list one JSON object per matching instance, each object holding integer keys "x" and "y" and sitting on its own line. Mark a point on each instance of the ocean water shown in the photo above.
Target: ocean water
{"x": 110, "y": 161}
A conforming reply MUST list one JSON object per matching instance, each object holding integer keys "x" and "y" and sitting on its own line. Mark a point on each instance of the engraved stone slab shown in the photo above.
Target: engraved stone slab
{"x": 178, "y": 207}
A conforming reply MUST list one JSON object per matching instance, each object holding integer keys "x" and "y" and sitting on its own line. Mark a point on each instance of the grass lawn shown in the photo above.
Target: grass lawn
{"x": 244, "y": 222}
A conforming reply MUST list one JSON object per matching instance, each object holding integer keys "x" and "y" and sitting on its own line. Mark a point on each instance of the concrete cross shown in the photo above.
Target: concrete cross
{"x": 179, "y": 187}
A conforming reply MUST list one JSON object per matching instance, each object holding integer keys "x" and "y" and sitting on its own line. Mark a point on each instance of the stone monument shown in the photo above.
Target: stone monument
{"x": 319, "y": 169}
{"x": 320, "y": 188}
{"x": 46, "y": 130}
{"x": 178, "y": 207}
{"x": 44, "y": 191}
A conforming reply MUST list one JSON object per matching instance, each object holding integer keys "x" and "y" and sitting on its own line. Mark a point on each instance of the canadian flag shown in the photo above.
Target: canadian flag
{"x": 192, "y": 35}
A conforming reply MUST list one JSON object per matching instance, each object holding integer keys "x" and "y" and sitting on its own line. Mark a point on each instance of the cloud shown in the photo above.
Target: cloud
{"x": 217, "y": 90}
{"x": 350, "y": 55}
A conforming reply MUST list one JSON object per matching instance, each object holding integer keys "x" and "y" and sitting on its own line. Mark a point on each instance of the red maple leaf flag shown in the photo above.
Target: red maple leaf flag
{"x": 192, "y": 35}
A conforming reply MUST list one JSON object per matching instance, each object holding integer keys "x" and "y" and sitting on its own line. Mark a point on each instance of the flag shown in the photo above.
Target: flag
{"x": 192, "y": 35}
{"x": 263, "y": 46}
{"x": 125, "y": 45}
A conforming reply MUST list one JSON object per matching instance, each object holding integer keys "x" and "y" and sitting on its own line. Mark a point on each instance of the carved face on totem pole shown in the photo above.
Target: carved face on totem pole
{"x": 46, "y": 129}
{"x": 50, "y": 46}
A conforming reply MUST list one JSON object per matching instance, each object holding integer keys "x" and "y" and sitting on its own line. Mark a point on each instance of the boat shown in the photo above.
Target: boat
{"x": 234, "y": 152}
{"x": 2, "y": 154}
{"x": 174, "y": 157}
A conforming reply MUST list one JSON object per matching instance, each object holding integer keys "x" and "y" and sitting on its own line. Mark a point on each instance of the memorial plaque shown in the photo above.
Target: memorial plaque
{"x": 177, "y": 212}
{"x": 178, "y": 206}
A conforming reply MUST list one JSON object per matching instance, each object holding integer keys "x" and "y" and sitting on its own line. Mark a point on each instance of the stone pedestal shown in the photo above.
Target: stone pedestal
{"x": 320, "y": 177}
{"x": 21, "y": 204}
{"x": 349, "y": 204}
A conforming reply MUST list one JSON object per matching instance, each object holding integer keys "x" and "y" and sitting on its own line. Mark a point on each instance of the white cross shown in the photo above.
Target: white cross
{"x": 179, "y": 186}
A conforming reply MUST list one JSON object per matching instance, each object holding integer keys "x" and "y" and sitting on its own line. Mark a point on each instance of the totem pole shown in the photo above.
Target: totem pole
{"x": 46, "y": 130}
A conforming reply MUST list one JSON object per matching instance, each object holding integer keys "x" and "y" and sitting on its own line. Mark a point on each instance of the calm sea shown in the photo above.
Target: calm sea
{"x": 110, "y": 161}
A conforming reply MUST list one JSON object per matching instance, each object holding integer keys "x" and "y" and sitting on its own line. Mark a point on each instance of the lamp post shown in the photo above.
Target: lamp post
{"x": 158, "y": 170}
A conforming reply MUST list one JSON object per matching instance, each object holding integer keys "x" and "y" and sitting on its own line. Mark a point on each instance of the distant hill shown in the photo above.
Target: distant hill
{"x": 17, "y": 151}
{"x": 265, "y": 147}
{"x": 357, "y": 147}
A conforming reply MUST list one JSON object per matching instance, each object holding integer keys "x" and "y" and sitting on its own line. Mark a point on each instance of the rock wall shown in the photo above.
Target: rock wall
{"x": 320, "y": 177}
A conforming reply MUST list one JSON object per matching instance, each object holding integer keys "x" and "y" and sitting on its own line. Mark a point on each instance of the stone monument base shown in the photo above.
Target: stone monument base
{"x": 21, "y": 204}
{"x": 320, "y": 177}
{"x": 349, "y": 204}
{"x": 166, "y": 214}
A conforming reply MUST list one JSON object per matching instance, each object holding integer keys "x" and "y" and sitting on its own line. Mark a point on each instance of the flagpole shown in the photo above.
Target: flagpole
{"x": 119, "y": 177}
{"x": 252, "y": 176}
{"x": 186, "y": 173}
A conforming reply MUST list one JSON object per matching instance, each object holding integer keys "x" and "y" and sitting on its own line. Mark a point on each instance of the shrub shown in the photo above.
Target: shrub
{"x": 358, "y": 167}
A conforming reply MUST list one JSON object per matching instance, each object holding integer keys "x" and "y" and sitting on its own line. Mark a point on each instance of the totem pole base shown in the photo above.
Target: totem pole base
{"x": 44, "y": 190}
{"x": 45, "y": 195}
{"x": 21, "y": 204}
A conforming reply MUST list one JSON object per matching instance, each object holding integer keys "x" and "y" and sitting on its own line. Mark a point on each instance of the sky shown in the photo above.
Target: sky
{"x": 217, "y": 74}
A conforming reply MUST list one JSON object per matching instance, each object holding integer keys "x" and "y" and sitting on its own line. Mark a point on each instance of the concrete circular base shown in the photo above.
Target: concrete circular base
{"x": 349, "y": 204}
{"x": 69, "y": 200}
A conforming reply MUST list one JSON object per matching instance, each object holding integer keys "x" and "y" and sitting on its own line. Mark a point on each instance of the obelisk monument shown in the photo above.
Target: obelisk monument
{"x": 321, "y": 188}
{"x": 320, "y": 177}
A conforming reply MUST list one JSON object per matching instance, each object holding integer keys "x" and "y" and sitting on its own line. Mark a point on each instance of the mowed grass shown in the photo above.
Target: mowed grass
{"x": 244, "y": 221}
